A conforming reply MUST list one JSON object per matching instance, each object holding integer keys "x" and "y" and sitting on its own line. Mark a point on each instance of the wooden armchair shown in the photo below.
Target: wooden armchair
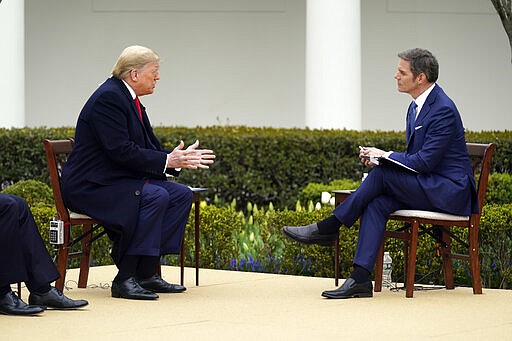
{"x": 441, "y": 223}
{"x": 57, "y": 152}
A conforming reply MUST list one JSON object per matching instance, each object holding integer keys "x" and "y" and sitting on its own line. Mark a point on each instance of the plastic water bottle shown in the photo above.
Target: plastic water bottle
{"x": 387, "y": 268}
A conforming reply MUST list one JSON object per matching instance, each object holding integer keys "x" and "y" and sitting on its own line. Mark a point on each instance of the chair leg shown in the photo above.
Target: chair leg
{"x": 378, "y": 267}
{"x": 407, "y": 242}
{"x": 62, "y": 260}
{"x": 447, "y": 259}
{"x": 85, "y": 256}
{"x": 182, "y": 260}
{"x": 473, "y": 258}
{"x": 197, "y": 205}
{"x": 411, "y": 263}
{"x": 337, "y": 259}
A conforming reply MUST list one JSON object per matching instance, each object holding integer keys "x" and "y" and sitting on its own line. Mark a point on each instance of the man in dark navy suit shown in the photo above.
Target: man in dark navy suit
{"x": 441, "y": 178}
{"x": 24, "y": 258}
{"x": 116, "y": 174}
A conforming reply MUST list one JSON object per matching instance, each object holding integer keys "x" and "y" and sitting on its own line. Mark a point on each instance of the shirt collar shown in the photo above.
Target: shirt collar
{"x": 132, "y": 92}
{"x": 420, "y": 100}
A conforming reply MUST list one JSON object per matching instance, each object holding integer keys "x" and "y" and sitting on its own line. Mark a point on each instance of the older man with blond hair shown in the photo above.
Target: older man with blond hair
{"x": 116, "y": 173}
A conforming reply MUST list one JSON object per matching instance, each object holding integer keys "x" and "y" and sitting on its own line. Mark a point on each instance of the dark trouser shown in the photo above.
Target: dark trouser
{"x": 23, "y": 255}
{"x": 385, "y": 190}
{"x": 163, "y": 215}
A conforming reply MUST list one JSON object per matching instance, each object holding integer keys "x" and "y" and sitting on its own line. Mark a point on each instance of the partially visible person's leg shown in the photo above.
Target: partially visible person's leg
{"x": 34, "y": 263}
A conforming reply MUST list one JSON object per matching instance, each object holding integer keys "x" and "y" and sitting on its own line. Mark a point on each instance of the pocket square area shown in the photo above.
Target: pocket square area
{"x": 418, "y": 127}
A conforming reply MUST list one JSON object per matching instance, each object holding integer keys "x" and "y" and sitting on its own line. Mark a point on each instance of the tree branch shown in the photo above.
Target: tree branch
{"x": 504, "y": 9}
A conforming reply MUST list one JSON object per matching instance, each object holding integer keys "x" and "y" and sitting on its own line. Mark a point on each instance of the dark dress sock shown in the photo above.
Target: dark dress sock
{"x": 40, "y": 289}
{"x": 147, "y": 266}
{"x": 330, "y": 225}
{"x": 4, "y": 290}
{"x": 360, "y": 274}
{"x": 127, "y": 268}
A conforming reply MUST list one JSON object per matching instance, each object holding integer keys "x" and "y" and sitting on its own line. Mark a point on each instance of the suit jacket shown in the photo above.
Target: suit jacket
{"x": 437, "y": 150}
{"x": 113, "y": 155}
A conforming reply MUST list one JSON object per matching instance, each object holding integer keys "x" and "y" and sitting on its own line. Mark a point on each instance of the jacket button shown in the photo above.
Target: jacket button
{"x": 137, "y": 192}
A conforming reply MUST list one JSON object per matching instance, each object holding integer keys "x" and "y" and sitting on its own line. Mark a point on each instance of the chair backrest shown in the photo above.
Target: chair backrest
{"x": 57, "y": 152}
{"x": 481, "y": 156}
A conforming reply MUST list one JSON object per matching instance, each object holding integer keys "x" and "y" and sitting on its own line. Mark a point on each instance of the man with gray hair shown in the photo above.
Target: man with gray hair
{"x": 438, "y": 171}
{"x": 116, "y": 174}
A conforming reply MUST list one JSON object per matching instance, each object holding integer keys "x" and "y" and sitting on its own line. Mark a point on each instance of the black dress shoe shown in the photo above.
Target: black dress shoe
{"x": 132, "y": 290}
{"x": 155, "y": 283}
{"x": 309, "y": 235}
{"x": 351, "y": 289}
{"x": 10, "y": 304}
{"x": 55, "y": 299}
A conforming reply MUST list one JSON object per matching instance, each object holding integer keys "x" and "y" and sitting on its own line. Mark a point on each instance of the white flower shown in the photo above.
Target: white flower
{"x": 332, "y": 201}
{"x": 326, "y": 196}
{"x": 318, "y": 206}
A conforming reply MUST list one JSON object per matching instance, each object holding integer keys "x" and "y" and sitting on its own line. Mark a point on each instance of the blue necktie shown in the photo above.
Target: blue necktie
{"x": 411, "y": 118}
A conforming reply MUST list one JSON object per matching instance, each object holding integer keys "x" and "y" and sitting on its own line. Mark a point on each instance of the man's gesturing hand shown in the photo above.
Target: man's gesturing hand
{"x": 191, "y": 157}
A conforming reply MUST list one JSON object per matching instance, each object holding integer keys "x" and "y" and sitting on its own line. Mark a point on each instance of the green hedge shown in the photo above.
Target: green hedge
{"x": 499, "y": 189}
{"x": 257, "y": 165}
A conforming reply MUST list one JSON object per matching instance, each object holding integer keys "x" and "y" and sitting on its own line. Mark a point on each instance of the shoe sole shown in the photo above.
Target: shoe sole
{"x": 163, "y": 291}
{"x": 21, "y": 313}
{"x": 356, "y": 295}
{"x": 145, "y": 298}
{"x": 50, "y": 307}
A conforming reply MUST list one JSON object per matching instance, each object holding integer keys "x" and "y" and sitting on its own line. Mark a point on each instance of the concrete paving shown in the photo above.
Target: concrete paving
{"x": 229, "y": 305}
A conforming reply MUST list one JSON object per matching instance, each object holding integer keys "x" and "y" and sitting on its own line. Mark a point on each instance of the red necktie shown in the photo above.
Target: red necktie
{"x": 137, "y": 103}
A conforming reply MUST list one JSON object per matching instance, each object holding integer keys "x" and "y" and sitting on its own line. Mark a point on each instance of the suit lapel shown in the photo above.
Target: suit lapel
{"x": 425, "y": 109}
{"x": 135, "y": 111}
{"x": 126, "y": 92}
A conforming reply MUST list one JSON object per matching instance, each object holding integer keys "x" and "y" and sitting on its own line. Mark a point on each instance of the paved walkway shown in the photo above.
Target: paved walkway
{"x": 232, "y": 305}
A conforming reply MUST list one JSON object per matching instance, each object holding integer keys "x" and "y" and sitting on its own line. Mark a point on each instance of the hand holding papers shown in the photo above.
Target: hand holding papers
{"x": 371, "y": 157}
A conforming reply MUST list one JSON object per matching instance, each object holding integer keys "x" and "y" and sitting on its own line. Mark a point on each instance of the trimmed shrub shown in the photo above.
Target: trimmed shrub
{"x": 257, "y": 165}
{"x": 496, "y": 246}
{"x": 499, "y": 189}
{"x": 32, "y": 191}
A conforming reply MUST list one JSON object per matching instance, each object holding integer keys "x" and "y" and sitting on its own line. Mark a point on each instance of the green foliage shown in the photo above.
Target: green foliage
{"x": 250, "y": 244}
{"x": 313, "y": 191}
{"x": 257, "y": 165}
{"x": 496, "y": 246}
{"x": 23, "y": 156}
{"x": 499, "y": 189}
{"x": 217, "y": 249}
{"x": 502, "y": 158}
{"x": 32, "y": 191}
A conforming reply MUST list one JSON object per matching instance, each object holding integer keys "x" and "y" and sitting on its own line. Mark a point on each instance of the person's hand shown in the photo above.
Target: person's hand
{"x": 191, "y": 157}
{"x": 366, "y": 152}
